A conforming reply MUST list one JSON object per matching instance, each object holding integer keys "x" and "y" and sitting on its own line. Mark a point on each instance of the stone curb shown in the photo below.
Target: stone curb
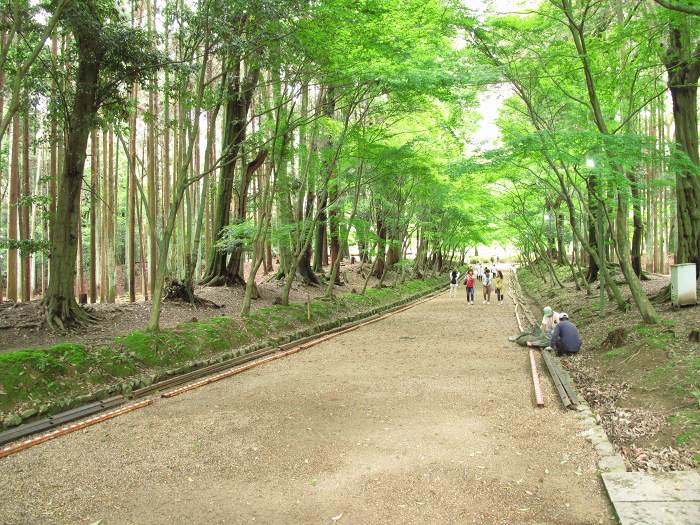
{"x": 608, "y": 459}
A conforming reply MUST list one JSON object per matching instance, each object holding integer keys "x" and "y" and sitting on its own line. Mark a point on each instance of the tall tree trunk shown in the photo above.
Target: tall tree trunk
{"x": 3, "y": 40}
{"x": 131, "y": 199}
{"x": 240, "y": 96}
{"x": 640, "y": 298}
{"x": 683, "y": 67}
{"x": 592, "y": 274}
{"x": 94, "y": 181}
{"x": 638, "y": 231}
{"x": 558, "y": 224}
{"x": 304, "y": 266}
{"x": 107, "y": 275}
{"x": 240, "y": 212}
{"x": 320, "y": 246}
{"x": 59, "y": 301}
{"x": 142, "y": 252}
{"x": 112, "y": 220}
{"x": 379, "y": 269}
{"x": 335, "y": 206}
{"x": 24, "y": 216}
{"x": 53, "y": 144}
{"x": 12, "y": 211}
{"x": 152, "y": 193}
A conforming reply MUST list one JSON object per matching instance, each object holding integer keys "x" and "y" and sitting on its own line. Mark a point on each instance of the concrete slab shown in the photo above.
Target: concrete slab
{"x": 658, "y": 512}
{"x": 662, "y": 498}
{"x": 661, "y": 486}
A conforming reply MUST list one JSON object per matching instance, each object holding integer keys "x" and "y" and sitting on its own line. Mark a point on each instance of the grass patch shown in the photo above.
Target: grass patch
{"x": 44, "y": 378}
{"x": 617, "y": 353}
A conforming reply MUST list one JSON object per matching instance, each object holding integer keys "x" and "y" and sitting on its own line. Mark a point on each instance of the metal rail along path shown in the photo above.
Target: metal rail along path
{"x": 72, "y": 420}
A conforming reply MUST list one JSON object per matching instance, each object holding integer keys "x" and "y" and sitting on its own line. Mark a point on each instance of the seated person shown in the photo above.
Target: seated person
{"x": 539, "y": 336}
{"x": 549, "y": 321}
{"x": 565, "y": 339}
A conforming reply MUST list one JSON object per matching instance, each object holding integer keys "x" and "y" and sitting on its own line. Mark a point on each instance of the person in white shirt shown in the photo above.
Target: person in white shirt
{"x": 486, "y": 282}
{"x": 549, "y": 321}
{"x": 479, "y": 273}
{"x": 539, "y": 337}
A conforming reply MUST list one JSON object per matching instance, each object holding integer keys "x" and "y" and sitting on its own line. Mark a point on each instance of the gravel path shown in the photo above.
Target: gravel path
{"x": 426, "y": 417}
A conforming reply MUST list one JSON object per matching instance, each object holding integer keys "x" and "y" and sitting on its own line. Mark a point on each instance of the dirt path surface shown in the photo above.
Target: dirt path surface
{"x": 426, "y": 417}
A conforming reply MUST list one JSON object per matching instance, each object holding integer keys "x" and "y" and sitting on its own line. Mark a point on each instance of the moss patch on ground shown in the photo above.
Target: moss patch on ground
{"x": 47, "y": 380}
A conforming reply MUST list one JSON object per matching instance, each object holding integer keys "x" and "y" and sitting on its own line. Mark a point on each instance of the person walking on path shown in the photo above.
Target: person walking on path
{"x": 499, "y": 285}
{"x": 566, "y": 339}
{"x": 478, "y": 271}
{"x": 454, "y": 275}
{"x": 486, "y": 282}
{"x": 469, "y": 283}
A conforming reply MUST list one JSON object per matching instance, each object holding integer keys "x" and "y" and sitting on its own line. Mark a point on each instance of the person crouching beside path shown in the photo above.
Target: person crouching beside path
{"x": 454, "y": 275}
{"x": 566, "y": 339}
{"x": 549, "y": 321}
{"x": 539, "y": 336}
{"x": 469, "y": 283}
{"x": 486, "y": 282}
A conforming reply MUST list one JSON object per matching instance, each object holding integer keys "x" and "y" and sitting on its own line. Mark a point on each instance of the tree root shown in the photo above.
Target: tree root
{"x": 178, "y": 291}
{"x": 663, "y": 296}
{"x": 65, "y": 313}
{"x": 215, "y": 281}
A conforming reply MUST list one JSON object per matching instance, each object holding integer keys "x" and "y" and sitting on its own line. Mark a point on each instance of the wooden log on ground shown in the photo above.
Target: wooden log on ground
{"x": 539, "y": 398}
{"x": 553, "y": 372}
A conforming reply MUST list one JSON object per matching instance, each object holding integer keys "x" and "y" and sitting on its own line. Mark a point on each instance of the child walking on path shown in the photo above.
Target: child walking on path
{"x": 500, "y": 286}
{"x": 454, "y": 275}
{"x": 469, "y": 283}
{"x": 486, "y": 282}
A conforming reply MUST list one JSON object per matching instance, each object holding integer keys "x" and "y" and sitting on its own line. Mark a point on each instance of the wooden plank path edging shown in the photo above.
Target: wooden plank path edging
{"x": 59, "y": 419}
{"x": 255, "y": 356}
{"x": 561, "y": 383}
{"x": 73, "y": 427}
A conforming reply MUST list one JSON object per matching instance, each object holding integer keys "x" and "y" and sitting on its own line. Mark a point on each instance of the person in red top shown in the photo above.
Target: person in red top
{"x": 469, "y": 283}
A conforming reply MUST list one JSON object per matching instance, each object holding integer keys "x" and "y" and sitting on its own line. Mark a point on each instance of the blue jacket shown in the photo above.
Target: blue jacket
{"x": 566, "y": 337}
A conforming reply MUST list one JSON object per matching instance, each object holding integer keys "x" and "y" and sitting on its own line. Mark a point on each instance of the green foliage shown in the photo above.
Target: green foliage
{"x": 25, "y": 246}
{"x": 237, "y": 234}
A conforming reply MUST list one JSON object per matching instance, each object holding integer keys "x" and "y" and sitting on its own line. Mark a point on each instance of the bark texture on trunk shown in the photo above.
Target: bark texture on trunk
{"x": 638, "y": 228}
{"x": 59, "y": 301}
{"x": 321, "y": 248}
{"x": 683, "y": 67}
{"x": 240, "y": 96}
{"x": 592, "y": 274}
{"x": 381, "y": 247}
{"x": 234, "y": 273}
{"x": 12, "y": 211}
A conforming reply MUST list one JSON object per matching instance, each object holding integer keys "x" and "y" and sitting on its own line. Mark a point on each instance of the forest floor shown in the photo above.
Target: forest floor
{"x": 642, "y": 381}
{"x": 22, "y": 324}
{"x": 425, "y": 417}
